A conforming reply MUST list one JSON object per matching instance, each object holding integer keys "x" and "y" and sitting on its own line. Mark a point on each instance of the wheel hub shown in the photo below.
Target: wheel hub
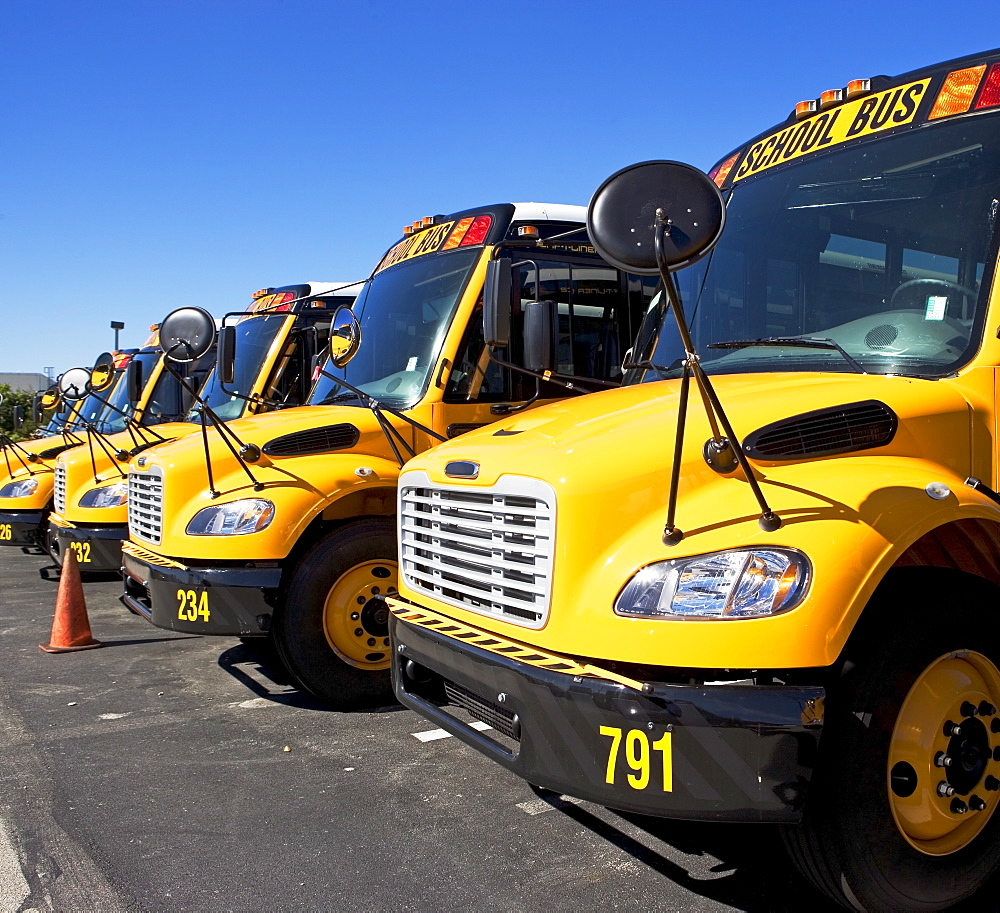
{"x": 356, "y": 615}
{"x": 375, "y": 617}
{"x": 943, "y": 769}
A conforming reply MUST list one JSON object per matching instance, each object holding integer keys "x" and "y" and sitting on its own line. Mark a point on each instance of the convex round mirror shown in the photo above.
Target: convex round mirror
{"x": 621, "y": 218}
{"x": 73, "y": 384}
{"x": 102, "y": 373}
{"x": 345, "y": 336}
{"x": 49, "y": 397}
{"x": 187, "y": 334}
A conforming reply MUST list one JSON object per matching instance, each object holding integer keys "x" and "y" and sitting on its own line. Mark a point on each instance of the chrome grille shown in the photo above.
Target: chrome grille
{"x": 59, "y": 488}
{"x": 488, "y": 550}
{"x": 145, "y": 504}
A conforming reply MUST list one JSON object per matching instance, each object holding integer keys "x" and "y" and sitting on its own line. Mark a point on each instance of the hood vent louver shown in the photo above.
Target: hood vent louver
{"x": 825, "y": 432}
{"x": 314, "y": 440}
{"x": 53, "y": 452}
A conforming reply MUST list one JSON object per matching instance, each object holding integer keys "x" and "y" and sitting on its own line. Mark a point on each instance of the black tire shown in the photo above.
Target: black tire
{"x": 359, "y": 560}
{"x": 849, "y": 844}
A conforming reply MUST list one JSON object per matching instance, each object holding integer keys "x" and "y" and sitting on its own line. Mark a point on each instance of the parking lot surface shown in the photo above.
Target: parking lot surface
{"x": 171, "y": 772}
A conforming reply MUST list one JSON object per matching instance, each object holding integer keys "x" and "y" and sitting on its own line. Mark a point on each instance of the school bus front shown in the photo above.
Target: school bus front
{"x": 823, "y": 655}
{"x": 275, "y": 341}
{"x": 295, "y": 540}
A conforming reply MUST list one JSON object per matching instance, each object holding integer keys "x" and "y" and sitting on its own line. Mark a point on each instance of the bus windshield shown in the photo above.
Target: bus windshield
{"x": 255, "y": 334}
{"x": 404, "y": 312}
{"x": 169, "y": 401}
{"x": 878, "y": 252}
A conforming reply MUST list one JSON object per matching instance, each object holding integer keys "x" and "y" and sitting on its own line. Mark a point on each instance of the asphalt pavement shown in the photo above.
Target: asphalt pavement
{"x": 167, "y": 772}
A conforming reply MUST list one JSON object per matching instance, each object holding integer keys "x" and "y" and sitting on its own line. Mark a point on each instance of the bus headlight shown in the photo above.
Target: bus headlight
{"x": 19, "y": 489}
{"x": 109, "y": 496}
{"x": 237, "y": 518}
{"x": 744, "y": 583}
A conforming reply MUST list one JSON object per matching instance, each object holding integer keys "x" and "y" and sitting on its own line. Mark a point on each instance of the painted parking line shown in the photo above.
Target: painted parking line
{"x": 435, "y": 734}
{"x": 554, "y": 803}
{"x": 14, "y": 888}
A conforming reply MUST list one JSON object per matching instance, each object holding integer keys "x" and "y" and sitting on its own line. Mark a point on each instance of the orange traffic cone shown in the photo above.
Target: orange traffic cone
{"x": 70, "y": 626}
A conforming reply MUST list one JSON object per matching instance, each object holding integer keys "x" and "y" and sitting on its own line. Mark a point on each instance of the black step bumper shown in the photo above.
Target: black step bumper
{"x": 711, "y": 752}
{"x": 238, "y": 602}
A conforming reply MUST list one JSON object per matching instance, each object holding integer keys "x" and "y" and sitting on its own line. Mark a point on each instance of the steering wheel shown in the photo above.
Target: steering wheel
{"x": 927, "y": 285}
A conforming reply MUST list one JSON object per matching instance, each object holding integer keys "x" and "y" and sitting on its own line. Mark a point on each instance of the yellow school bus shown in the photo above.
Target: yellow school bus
{"x": 286, "y": 529}
{"x": 756, "y": 583}
{"x": 272, "y": 346}
{"x": 27, "y": 467}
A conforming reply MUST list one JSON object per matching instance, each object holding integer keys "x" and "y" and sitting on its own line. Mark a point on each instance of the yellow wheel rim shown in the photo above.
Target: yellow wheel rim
{"x": 355, "y": 616}
{"x": 943, "y": 778}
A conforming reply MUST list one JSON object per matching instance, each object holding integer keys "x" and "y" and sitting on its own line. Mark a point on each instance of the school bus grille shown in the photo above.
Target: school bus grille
{"x": 59, "y": 488}
{"x": 145, "y": 505}
{"x": 488, "y": 550}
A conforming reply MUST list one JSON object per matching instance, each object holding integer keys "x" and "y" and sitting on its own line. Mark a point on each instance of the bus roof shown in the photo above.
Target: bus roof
{"x": 867, "y": 108}
{"x": 555, "y": 212}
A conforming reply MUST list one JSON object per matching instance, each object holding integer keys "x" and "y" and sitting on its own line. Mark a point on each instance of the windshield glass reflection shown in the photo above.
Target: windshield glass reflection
{"x": 404, "y": 313}
{"x": 876, "y": 253}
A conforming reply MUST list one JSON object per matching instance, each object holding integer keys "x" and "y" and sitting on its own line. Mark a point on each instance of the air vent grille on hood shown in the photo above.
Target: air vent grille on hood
{"x": 839, "y": 429}
{"x": 314, "y": 440}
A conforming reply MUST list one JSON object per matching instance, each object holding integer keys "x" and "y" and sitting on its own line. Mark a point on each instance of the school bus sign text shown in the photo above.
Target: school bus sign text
{"x": 861, "y": 117}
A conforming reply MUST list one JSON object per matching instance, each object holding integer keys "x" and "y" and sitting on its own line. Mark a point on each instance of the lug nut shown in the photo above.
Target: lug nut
{"x": 995, "y": 725}
{"x": 952, "y": 729}
{"x": 942, "y": 760}
{"x": 968, "y": 709}
{"x": 355, "y": 616}
{"x": 358, "y": 632}
{"x": 991, "y": 783}
{"x": 996, "y": 754}
{"x": 958, "y": 807}
{"x": 945, "y": 789}
{"x": 986, "y": 708}
{"x": 977, "y": 804}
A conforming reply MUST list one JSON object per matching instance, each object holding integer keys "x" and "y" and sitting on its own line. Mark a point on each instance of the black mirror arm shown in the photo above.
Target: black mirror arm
{"x": 378, "y": 407}
{"x": 768, "y": 521}
{"x": 225, "y": 432}
{"x": 9, "y": 445}
{"x": 92, "y": 435}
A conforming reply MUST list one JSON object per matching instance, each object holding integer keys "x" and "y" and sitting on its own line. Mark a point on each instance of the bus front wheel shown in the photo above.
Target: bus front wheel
{"x": 902, "y": 813}
{"x": 332, "y": 633}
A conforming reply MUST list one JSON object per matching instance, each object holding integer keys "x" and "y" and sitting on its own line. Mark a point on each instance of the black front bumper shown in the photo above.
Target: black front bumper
{"x": 715, "y": 752}
{"x": 237, "y": 602}
{"x": 23, "y": 527}
{"x": 98, "y": 548}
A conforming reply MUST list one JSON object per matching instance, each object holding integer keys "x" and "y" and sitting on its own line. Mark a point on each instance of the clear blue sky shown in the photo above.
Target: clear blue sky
{"x": 164, "y": 152}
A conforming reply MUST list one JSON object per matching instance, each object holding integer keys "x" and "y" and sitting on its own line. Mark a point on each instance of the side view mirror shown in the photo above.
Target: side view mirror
{"x": 103, "y": 373}
{"x": 18, "y": 416}
{"x": 186, "y": 334}
{"x": 135, "y": 381}
{"x": 73, "y": 384}
{"x": 47, "y": 399}
{"x": 622, "y": 217}
{"x": 226, "y": 357}
{"x": 345, "y": 336}
{"x": 538, "y": 336}
{"x": 496, "y": 303}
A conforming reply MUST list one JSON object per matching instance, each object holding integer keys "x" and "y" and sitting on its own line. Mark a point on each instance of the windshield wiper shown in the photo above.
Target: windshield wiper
{"x": 802, "y": 342}
{"x": 341, "y": 398}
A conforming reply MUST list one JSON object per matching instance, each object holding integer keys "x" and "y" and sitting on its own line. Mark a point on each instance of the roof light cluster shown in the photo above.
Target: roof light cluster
{"x": 832, "y": 97}
{"x": 958, "y": 94}
{"x": 419, "y": 225}
{"x": 470, "y": 230}
{"x": 274, "y": 301}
